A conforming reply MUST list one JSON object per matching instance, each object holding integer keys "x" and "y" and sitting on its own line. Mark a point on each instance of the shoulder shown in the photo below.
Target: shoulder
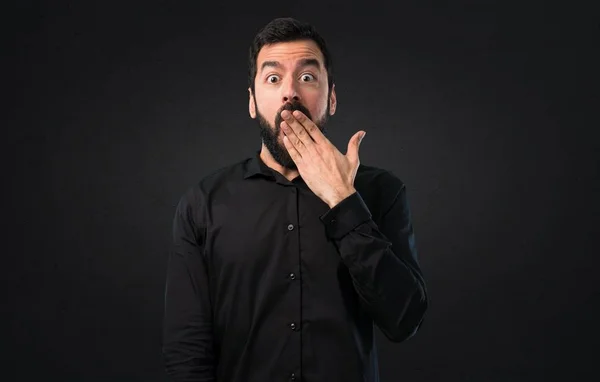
{"x": 231, "y": 173}
{"x": 213, "y": 183}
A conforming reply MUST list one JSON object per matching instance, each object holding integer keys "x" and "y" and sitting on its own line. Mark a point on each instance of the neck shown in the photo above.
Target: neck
{"x": 266, "y": 157}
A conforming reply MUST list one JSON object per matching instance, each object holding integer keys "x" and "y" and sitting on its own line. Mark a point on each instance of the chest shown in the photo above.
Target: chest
{"x": 255, "y": 233}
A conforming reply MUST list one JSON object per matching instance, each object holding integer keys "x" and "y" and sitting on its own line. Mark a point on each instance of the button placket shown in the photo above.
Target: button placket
{"x": 293, "y": 276}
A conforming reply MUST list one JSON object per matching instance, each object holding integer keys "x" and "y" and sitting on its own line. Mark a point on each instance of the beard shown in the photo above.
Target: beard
{"x": 270, "y": 134}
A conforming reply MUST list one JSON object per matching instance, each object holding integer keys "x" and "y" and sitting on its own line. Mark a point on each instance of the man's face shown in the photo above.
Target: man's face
{"x": 289, "y": 76}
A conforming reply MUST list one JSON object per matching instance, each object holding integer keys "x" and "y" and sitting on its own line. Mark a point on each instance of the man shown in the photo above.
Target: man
{"x": 282, "y": 263}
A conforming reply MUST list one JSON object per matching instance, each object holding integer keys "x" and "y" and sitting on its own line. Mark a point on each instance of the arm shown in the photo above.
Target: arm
{"x": 187, "y": 326}
{"x": 382, "y": 261}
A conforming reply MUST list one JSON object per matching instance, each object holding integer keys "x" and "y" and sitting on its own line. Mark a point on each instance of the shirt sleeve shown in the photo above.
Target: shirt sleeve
{"x": 382, "y": 260}
{"x": 187, "y": 349}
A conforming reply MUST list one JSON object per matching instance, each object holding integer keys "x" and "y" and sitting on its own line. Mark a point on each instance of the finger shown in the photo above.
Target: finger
{"x": 298, "y": 129}
{"x": 294, "y": 154}
{"x": 293, "y": 138}
{"x": 313, "y": 130}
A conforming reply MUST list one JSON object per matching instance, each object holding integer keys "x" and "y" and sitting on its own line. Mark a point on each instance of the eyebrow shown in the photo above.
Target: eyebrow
{"x": 304, "y": 62}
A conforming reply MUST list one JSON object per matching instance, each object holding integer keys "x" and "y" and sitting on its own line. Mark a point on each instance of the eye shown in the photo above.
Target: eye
{"x": 307, "y": 77}
{"x": 272, "y": 78}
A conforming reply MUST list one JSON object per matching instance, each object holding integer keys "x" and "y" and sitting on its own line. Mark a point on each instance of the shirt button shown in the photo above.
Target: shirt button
{"x": 293, "y": 326}
{"x": 290, "y": 227}
{"x": 293, "y": 276}
{"x": 293, "y": 377}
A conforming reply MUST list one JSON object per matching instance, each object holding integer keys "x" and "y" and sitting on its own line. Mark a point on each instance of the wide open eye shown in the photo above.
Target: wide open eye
{"x": 307, "y": 77}
{"x": 273, "y": 78}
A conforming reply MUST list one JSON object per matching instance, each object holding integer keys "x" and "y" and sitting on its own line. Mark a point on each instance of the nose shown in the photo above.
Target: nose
{"x": 289, "y": 92}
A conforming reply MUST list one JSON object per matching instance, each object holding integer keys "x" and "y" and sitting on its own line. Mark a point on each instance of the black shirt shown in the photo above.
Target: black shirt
{"x": 266, "y": 283}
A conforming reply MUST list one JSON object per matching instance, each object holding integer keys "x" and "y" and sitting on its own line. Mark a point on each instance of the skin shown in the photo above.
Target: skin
{"x": 326, "y": 171}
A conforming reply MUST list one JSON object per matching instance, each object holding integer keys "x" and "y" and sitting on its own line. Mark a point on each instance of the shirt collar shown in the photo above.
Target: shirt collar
{"x": 256, "y": 167}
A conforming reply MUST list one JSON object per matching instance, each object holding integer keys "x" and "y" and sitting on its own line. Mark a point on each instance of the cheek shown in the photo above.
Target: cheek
{"x": 265, "y": 102}
{"x": 318, "y": 105}
{"x": 318, "y": 98}
{"x": 266, "y": 111}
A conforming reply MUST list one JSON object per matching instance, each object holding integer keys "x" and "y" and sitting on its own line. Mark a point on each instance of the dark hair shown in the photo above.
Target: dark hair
{"x": 286, "y": 29}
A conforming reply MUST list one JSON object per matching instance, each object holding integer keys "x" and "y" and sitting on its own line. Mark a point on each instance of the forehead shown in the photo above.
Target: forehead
{"x": 289, "y": 52}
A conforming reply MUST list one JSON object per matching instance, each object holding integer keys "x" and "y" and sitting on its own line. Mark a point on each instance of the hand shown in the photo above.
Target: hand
{"x": 326, "y": 171}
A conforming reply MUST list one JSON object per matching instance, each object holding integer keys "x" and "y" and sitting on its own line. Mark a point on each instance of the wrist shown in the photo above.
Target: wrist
{"x": 339, "y": 196}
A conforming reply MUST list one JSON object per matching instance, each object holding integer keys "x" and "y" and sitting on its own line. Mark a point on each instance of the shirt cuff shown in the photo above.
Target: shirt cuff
{"x": 345, "y": 216}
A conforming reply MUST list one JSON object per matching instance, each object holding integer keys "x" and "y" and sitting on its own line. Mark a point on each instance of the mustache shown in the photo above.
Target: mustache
{"x": 290, "y": 106}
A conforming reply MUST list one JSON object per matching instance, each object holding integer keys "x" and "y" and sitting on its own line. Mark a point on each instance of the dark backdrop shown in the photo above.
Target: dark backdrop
{"x": 484, "y": 109}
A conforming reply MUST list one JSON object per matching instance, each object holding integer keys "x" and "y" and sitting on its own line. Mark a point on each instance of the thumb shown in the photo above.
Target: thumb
{"x": 354, "y": 144}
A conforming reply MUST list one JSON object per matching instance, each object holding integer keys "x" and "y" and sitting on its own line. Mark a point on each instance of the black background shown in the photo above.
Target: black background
{"x": 486, "y": 110}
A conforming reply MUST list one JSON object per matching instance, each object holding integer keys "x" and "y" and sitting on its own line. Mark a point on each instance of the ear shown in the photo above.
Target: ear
{"x": 332, "y": 101}
{"x": 251, "y": 104}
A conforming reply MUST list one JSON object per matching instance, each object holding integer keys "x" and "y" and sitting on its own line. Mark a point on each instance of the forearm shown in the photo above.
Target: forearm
{"x": 392, "y": 292}
{"x": 188, "y": 350}
{"x": 383, "y": 267}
